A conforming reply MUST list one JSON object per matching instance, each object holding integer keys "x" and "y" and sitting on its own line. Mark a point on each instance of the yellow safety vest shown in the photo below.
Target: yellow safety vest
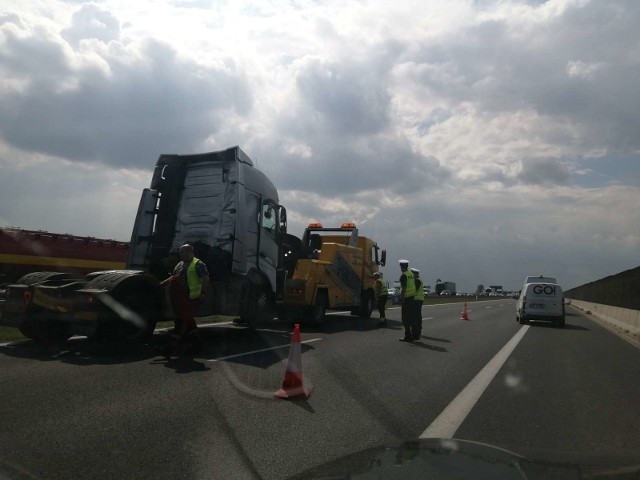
{"x": 193, "y": 280}
{"x": 410, "y": 287}
{"x": 419, "y": 291}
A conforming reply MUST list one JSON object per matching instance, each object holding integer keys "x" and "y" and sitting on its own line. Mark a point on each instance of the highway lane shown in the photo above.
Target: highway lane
{"x": 93, "y": 412}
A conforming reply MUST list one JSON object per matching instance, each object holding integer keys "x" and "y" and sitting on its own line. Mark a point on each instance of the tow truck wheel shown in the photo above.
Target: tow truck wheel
{"x": 319, "y": 308}
{"x": 366, "y": 305}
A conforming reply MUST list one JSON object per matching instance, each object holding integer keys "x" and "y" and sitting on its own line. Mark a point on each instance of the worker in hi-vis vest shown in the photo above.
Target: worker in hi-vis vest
{"x": 407, "y": 294}
{"x": 382, "y": 295}
{"x": 418, "y": 300}
{"x": 188, "y": 286}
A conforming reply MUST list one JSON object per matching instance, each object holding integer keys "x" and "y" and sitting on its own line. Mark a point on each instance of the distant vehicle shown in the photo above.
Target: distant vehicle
{"x": 445, "y": 293}
{"x": 541, "y": 301}
{"x": 391, "y": 291}
{"x": 449, "y": 286}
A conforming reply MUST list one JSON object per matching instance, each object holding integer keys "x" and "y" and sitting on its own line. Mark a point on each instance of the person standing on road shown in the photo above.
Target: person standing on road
{"x": 407, "y": 294}
{"x": 382, "y": 295}
{"x": 418, "y": 300}
{"x": 188, "y": 286}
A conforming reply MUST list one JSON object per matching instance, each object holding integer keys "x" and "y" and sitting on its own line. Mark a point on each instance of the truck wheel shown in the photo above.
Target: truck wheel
{"x": 143, "y": 304}
{"x": 559, "y": 323}
{"x": 139, "y": 299}
{"x": 257, "y": 306}
{"x": 38, "y": 277}
{"x": 317, "y": 311}
{"x": 523, "y": 320}
{"x": 366, "y": 305}
{"x": 44, "y": 332}
{"x": 28, "y": 328}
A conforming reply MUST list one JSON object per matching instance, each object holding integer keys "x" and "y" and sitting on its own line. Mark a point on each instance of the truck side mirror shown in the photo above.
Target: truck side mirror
{"x": 383, "y": 257}
{"x": 283, "y": 220}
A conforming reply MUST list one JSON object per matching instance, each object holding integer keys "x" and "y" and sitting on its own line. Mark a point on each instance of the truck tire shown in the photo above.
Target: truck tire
{"x": 44, "y": 333}
{"x": 523, "y": 320}
{"x": 316, "y": 313}
{"x": 366, "y": 305}
{"x": 256, "y": 307}
{"x": 140, "y": 298}
{"x": 34, "y": 278}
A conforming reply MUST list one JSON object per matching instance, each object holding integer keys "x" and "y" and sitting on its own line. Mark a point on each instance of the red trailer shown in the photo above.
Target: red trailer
{"x": 26, "y": 251}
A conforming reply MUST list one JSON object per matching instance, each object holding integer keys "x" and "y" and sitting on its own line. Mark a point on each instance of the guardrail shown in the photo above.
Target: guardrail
{"x": 624, "y": 318}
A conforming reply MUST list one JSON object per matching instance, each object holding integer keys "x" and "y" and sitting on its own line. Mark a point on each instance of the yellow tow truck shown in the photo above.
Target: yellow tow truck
{"x": 334, "y": 270}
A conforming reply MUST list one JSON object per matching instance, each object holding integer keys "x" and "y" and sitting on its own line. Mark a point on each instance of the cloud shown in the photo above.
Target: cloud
{"x": 346, "y": 98}
{"x": 91, "y": 22}
{"x": 543, "y": 171}
{"x": 467, "y": 136}
{"x": 119, "y": 104}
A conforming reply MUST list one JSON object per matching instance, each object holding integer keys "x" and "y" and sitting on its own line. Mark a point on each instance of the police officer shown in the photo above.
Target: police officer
{"x": 382, "y": 296}
{"x": 418, "y": 301}
{"x": 407, "y": 294}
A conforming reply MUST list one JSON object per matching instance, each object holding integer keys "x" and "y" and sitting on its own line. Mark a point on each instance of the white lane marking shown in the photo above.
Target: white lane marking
{"x": 219, "y": 359}
{"x": 450, "y": 419}
{"x": 487, "y": 307}
{"x": 428, "y": 318}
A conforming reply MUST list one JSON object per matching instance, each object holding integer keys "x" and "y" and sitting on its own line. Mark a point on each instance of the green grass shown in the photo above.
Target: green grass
{"x": 433, "y": 300}
{"x": 10, "y": 334}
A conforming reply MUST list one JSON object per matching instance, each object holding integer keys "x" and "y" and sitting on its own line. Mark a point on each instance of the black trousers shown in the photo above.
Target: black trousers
{"x": 382, "y": 304}
{"x": 408, "y": 316}
{"x": 417, "y": 324}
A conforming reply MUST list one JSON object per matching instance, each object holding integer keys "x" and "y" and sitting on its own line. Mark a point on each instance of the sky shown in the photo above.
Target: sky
{"x": 483, "y": 140}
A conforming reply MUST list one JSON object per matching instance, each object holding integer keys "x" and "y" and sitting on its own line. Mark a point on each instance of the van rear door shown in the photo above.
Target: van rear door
{"x": 543, "y": 299}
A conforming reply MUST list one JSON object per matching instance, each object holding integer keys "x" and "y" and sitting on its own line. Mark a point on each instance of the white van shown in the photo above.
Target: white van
{"x": 540, "y": 279}
{"x": 541, "y": 301}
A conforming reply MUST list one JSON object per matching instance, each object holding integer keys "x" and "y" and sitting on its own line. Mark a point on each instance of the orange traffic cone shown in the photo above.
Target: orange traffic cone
{"x": 464, "y": 315}
{"x": 292, "y": 385}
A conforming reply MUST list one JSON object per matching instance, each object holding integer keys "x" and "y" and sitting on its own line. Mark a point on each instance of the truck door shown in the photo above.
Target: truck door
{"x": 268, "y": 249}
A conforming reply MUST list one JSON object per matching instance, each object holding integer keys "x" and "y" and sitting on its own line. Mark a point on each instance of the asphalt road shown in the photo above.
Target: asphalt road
{"x": 104, "y": 412}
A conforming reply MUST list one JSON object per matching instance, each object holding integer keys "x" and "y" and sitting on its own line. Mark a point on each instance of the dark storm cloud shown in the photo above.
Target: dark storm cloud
{"x": 350, "y": 167}
{"x": 122, "y": 110}
{"x": 543, "y": 172}
{"x": 346, "y": 98}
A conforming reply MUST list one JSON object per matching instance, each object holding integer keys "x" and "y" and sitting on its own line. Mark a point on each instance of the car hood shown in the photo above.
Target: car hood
{"x": 455, "y": 458}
